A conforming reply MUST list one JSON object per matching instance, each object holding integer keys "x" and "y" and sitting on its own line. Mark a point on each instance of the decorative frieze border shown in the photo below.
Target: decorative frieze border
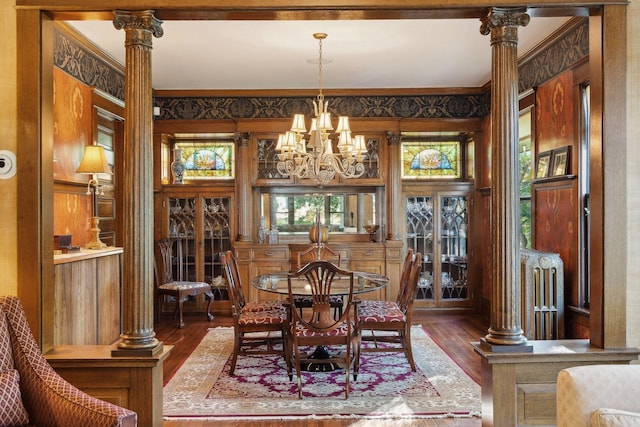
{"x": 78, "y": 61}
{"x": 419, "y": 106}
{"x": 563, "y": 53}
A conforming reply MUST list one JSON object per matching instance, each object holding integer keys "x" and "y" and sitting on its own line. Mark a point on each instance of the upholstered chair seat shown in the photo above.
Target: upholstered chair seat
{"x": 303, "y": 331}
{"x": 271, "y": 317}
{"x": 263, "y": 306}
{"x": 380, "y": 313}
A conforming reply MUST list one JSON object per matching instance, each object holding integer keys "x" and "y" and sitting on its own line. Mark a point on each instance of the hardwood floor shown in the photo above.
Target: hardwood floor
{"x": 453, "y": 332}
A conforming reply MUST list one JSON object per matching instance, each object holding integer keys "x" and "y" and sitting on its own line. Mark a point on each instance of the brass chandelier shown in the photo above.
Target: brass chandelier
{"x": 315, "y": 159}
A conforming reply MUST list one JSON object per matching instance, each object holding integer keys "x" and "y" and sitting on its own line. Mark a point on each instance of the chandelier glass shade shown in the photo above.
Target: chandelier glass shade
{"x": 314, "y": 158}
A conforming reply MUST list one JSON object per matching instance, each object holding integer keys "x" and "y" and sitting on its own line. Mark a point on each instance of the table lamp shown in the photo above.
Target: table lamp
{"x": 94, "y": 162}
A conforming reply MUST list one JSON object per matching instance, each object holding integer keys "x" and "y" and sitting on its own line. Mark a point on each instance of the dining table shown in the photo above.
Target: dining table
{"x": 278, "y": 283}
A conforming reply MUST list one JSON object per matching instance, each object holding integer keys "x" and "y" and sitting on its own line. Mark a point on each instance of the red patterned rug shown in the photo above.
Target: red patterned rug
{"x": 386, "y": 388}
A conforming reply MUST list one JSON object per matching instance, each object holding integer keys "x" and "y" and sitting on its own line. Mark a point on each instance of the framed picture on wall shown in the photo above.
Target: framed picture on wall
{"x": 542, "y": 166}
{"x": 560, "y": 161}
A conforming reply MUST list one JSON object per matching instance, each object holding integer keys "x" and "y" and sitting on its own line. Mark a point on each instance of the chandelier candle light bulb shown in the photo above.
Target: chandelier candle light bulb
{"x": 316, "y": 160}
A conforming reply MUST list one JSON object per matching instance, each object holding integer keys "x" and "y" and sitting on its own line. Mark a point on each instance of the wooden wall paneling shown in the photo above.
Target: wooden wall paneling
{"x": 482, "y": 245}
{"x": 614, "y": 138}
{"x": 108, "y": 305}
{"x": 75, "y": 303}
{"x": 556, "y": 213}
{"x": 596, "y": 254}
{"x": 34, "y": 133}
{"x": 87, "y": 297}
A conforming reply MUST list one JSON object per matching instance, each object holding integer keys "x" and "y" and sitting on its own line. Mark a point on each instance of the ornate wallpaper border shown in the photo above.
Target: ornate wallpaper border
{"x": 559, "y": 56}
{"x": 76, "y": 60}
{"x": 423, "y": 106}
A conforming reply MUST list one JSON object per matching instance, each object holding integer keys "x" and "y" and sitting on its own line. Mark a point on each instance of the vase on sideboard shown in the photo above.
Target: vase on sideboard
{"x": 177, "y": 166}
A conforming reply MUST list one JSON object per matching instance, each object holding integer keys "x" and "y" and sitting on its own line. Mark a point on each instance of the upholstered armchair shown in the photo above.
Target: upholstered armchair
{"x": 598, "y": 395}
{"x": 32, "y": 393}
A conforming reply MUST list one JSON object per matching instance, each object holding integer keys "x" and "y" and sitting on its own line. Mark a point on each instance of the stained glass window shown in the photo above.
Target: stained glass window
{"x": 207, "y": 159}
{"x": 431, "y": 159}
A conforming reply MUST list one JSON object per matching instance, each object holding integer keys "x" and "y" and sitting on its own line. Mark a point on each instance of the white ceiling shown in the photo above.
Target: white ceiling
{"x": 427, "y": 53}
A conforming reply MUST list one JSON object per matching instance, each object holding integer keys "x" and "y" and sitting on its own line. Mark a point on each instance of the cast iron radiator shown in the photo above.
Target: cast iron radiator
{"x": 542, "y": 295}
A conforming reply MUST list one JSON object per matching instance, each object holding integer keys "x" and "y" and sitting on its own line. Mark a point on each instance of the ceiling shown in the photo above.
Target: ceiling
{"x": 254, "y": 54}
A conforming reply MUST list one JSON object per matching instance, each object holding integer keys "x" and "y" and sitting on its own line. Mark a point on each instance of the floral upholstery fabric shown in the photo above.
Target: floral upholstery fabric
{"x": 380, "y": 313}
{"x": 47, "y": 397}
{"x": 584, "y": 389}
{"x": 263, "y": 306}
{"x": 12, "y": 412}
{"x": 181, "y": 286}
{"x": 367, "y": 304}
{"x": 262, "y": 317}
{"x": 301, "y": 331}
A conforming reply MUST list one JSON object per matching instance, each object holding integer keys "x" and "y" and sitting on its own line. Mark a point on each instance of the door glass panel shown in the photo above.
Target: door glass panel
{"x": 217, "y": 240}
{"x": 420, "y": 239}
{"x": 182, "y": 228}
{"x": 454, "y": 220}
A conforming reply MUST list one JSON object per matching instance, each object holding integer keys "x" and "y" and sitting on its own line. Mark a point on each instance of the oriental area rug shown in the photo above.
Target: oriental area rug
{"x": 260, "y": 389}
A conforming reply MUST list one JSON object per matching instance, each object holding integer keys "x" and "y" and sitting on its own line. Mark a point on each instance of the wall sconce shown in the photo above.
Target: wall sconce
{"x": 94, "y": 162}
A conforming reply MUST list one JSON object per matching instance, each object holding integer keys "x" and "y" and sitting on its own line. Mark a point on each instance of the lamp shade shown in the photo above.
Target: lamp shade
{"x": 94, "y": 160}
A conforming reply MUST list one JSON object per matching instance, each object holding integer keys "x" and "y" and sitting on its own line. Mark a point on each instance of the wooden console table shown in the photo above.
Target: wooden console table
{"x": 519, "y": 389}
{"x": 133, "y": 382}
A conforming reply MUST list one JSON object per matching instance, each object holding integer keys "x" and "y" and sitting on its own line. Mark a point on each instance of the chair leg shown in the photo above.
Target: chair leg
{"x": 298, "y": 374}
{"x": 348, "y": 374}
{"x": 237, "y": 339}
{"x": 209, "y": 315}
{"x": 406, "y": 343}
{"x": 286, "y": 344}
{"x": 180, "y": 321}
{"x": 357, "y": 342}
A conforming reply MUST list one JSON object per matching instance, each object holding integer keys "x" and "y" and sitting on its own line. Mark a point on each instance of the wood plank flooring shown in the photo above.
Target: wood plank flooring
{"x": 454, "y": 332}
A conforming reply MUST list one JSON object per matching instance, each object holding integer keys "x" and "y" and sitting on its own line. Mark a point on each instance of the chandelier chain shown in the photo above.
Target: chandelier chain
{"x": 320, "y": 95}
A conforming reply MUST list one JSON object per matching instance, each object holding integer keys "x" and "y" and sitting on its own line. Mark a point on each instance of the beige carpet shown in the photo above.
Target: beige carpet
{"x": 260, "y": 389}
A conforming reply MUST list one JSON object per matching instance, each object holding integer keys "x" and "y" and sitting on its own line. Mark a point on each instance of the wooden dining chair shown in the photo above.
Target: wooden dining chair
{"x": 313, "y": 253}
{"x": 389, "y": 322}
{"x": 318, "y": 327}
{"x": 239, "y": 296}
{"x": 176, "y": 288}
{"x": 270, "y": 318}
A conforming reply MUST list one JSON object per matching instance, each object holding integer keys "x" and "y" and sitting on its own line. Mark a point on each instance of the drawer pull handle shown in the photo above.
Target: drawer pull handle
{"x": 269, "y": 253}
{"x": 368, "y": 253}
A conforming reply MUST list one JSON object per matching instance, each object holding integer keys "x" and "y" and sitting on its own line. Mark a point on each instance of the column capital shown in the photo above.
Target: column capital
{"x": 241, "y": 139}
{"x": 143, "y": 23}
{"x": 503, "y": 18}
{"x": 393, "y": 138}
